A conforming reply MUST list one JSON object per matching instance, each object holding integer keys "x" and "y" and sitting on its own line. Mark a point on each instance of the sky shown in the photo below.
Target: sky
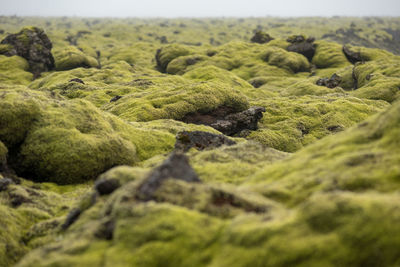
{"x": 199, "y": 8}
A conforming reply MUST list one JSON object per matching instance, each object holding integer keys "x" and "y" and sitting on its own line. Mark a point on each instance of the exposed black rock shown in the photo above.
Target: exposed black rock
{"x": 176, "y": 167}
{"x": 352, "y": 56}
{"x": 18, "y": 197}
{"x": 115, "y": 98}
{"x": 32, "y": 44}
{"x": 301, "y": 45}
{"x": 77, "y": 80}
{"x": 4, "y": 183}
{"x": 106, "y": 186}
{"x": 72, "y": 216}
{"x": 106, "y": 230}
{"x": 226, "y": 121}
{"x": 332, "y": 82}
{"x": 261, "y": 37}
{"x": 200, "y": 140}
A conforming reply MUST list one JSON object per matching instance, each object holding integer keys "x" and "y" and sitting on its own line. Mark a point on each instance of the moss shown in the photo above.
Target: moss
{"x": 361, "y": 158}
{"x": 180, "y": 64}
{"x": 21, "y": 225}
{"x": 290, "y": 123}
{"x": 176, "y": 102}
{"x": 168, "y": 53}
{"x": 329, "y": 55}
{"x": 233, "y": 164}
{"x": 14, "y": 70}
{"x": 56, "y": 139}
{"x": 288, "y": 60}
{"x": 71, "y": 57}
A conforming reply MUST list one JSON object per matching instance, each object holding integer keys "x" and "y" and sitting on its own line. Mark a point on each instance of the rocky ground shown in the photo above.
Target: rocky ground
{"x": 199, "y": 142}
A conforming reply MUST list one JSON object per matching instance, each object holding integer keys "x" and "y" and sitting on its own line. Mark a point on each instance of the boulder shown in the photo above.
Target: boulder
{"x": 261, "y": 37}
{"x": 32, "y": 44}
{"x": 301, "y": 45}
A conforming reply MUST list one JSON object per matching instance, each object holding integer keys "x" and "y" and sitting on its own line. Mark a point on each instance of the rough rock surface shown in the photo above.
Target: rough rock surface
{"x": 352, "y": 56}
{"x": 106, "y": 186}
{"x": 223, "y": 120}
{"x": 301, "y": 45}
{"x": 176, "y": 166}
{"x": 200, "y": 140}
{"x": 32, "y": 44}
{"x": 331, "y": 82}
{"x": 261, "y": 37}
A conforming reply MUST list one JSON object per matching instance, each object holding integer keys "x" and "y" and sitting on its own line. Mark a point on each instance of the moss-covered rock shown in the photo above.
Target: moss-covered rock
{"x": 71, "y": 57}
{"x": 288, "y": 60}
{"x": 177, "y": 101}
{"x": 168, "y": 53}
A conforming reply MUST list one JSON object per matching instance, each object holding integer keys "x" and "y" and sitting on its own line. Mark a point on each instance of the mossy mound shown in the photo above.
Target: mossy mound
{"x": 177, "y": 101}
{"x": 363, "y": 158}
{"x": 290, "y": 123}
{"x": 288, "y": 60}
{"x": 71, "y": 57}
{"x": 54, "y": 139}
{"x": 14, "y": 70}
{"x": 30, "y": 215}
{"x": 345, "y": 212}
{"x": 168, "y": 53}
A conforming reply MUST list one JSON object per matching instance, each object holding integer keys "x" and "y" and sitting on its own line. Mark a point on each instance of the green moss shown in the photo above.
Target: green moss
{"x": 31, "y": 224}
{"x": 168, "y": 53}
{"x": 329, "y": 55}
{"x": 177, "y": 101}
{"x": 3, "y": 153}
{"x": 56, "y": 140}
{"x": 362, "y": 158}
{"x": 288, "y": 60}
{"x": 71, "y": 57}
{"x": 290, "y": 123}
{"x": 180, "y": 64}
{"x": 378, "y": 79}
{"x": 233, "y": 164}
{"x": 14, "y": 70}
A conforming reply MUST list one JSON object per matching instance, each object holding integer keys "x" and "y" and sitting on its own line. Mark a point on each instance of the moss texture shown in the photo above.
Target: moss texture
{"x": 316, "y": 183}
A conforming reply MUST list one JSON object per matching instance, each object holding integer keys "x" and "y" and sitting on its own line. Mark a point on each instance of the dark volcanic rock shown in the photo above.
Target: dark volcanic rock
{"x": 332, "y": 82}
{"x": 176, "y": 167}
{"x": 224, "y": 120}
{"x": 106, "y": 230}
{"x": 115, "y": 98}
{"x": 4, "y": 183}
{"x": 32, "y": 44}
{"x": 303, "y": 46}
{"x": 77, "y": 80}
{"x": 200, "y": 140}
{"x": 72, "y": 216}
{"x": 352, "y": 56}
{"x": 261, "y": 37}
{"x": 106, "y": 186}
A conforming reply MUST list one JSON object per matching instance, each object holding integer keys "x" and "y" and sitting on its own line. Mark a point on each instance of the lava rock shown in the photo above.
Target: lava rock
{"x": 32, "y": 44}
{"x": 106, "y": 230}
{"x": 200, "y": 140}
{"x": 261, "y": 37}
{"x": 332, "y": 82}
{"x": 237, "y": 122}
{"x": 352, "y": 56}
{"x": 72, "y": 216}
{"x": 301, "y": 45}
{"x": 4, "y": 183}
{"x": 176, "y": 167}
{"x": 77, "y": 80}
{"x": 226, "y": 121}
{"x": 106, "y": 186}
{"x": 115, "y": 98}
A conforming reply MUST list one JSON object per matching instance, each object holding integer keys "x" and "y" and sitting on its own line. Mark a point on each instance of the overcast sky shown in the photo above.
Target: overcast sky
{"x": 199, "y": 8}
